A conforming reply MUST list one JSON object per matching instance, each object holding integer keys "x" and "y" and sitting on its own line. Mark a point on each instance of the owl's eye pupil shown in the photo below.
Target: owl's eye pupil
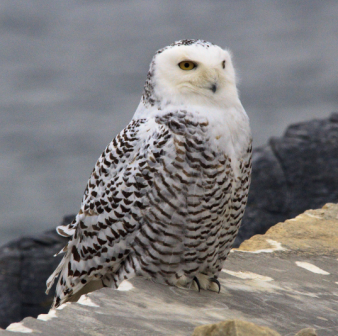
{"x": 186, "y": 65}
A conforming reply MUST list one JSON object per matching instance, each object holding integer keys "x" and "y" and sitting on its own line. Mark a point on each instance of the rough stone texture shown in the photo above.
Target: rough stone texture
{"x": 307, "y": 332}
{"x": 233, "y": 328}
{"x": 291, "y": 174}
{"x": 314, "y": 232}
{"x": 25, "y": 265}
{"x": 283, "y": 287}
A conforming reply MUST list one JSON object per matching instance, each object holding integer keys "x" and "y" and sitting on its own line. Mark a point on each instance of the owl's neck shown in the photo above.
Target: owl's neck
{"x": 160, "y": 97}
{"x": 224, "y": 120}
{"x": 228, "y": 129}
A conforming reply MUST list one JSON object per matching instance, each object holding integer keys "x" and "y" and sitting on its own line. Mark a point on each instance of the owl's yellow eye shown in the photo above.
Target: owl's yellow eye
{"x": 187, "y": 65}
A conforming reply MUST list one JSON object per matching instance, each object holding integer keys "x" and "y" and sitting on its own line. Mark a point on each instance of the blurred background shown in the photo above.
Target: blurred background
{"x": 72, "y": 74}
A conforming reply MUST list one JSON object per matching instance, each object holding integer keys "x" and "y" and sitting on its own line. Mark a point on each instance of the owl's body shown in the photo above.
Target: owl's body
{"x": 166, "y": 198}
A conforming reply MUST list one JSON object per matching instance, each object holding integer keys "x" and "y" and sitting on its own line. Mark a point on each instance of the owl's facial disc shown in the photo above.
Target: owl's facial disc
{"x": 191, "y": 65}
{"x": 194, "y": 74}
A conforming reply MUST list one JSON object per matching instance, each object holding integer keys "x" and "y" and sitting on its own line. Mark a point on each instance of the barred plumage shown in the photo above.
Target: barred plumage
{"x": 166, "y": 197}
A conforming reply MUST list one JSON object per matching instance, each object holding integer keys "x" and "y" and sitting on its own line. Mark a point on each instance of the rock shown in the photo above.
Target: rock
{"x": 275, "y": 281}
{"x": 291, "y": 174}
{"x": 25, "y": 266}
{"x": 267, "y": 197}
{"x": 233, "y": 328}
{"x": 37, "y": 263}
{"x": 10, "y": 298}
{"x": 315, "y": 232}
{"x": 307, "y": 332}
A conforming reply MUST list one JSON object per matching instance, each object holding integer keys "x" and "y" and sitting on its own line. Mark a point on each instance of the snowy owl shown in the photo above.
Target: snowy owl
{"x": 167, "y": 196}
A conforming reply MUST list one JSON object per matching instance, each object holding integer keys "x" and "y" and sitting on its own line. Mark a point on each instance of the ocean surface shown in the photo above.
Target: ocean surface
{"x": 72, "y": 74}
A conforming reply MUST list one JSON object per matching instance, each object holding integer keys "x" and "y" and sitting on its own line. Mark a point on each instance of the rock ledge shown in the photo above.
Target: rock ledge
{"x": 285, "y": 280}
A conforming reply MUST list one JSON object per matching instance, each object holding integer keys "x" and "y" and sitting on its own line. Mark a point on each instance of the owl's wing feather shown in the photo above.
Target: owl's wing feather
{"x": 158, "y": 203}
{"x": 112, "y": 207}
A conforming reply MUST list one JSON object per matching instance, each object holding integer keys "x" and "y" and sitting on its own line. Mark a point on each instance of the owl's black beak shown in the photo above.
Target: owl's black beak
{"x": 213, "y": 88}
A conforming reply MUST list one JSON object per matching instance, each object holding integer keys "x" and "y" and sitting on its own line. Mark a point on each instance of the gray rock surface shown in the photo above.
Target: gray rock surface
{"x": 273, "y": 281}
{"x": 293, "y": 173}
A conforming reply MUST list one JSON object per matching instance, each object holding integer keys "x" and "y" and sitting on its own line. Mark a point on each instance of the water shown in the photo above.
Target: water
{"x": 72, "y": 73}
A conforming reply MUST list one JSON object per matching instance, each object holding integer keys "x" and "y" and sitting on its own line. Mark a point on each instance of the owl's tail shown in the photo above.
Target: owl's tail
{"x": 64, "y": 231}
{"x": 78, "y": 274}
{"x": 75, "y": 277}
{"x": 70, "y": 286}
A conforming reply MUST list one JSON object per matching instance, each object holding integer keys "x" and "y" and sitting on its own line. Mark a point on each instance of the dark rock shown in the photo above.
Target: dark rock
{"x": 25, "y": 266}
{"x": 293, "y": 173}
{"x": 10, "y": 296}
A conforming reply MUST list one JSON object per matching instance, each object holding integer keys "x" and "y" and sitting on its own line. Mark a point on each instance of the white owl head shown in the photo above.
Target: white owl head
{"x": 191, "y": 72}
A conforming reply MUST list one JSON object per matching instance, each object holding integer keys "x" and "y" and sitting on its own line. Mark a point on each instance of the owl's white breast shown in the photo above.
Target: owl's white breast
{"x": 229, "y": 126}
